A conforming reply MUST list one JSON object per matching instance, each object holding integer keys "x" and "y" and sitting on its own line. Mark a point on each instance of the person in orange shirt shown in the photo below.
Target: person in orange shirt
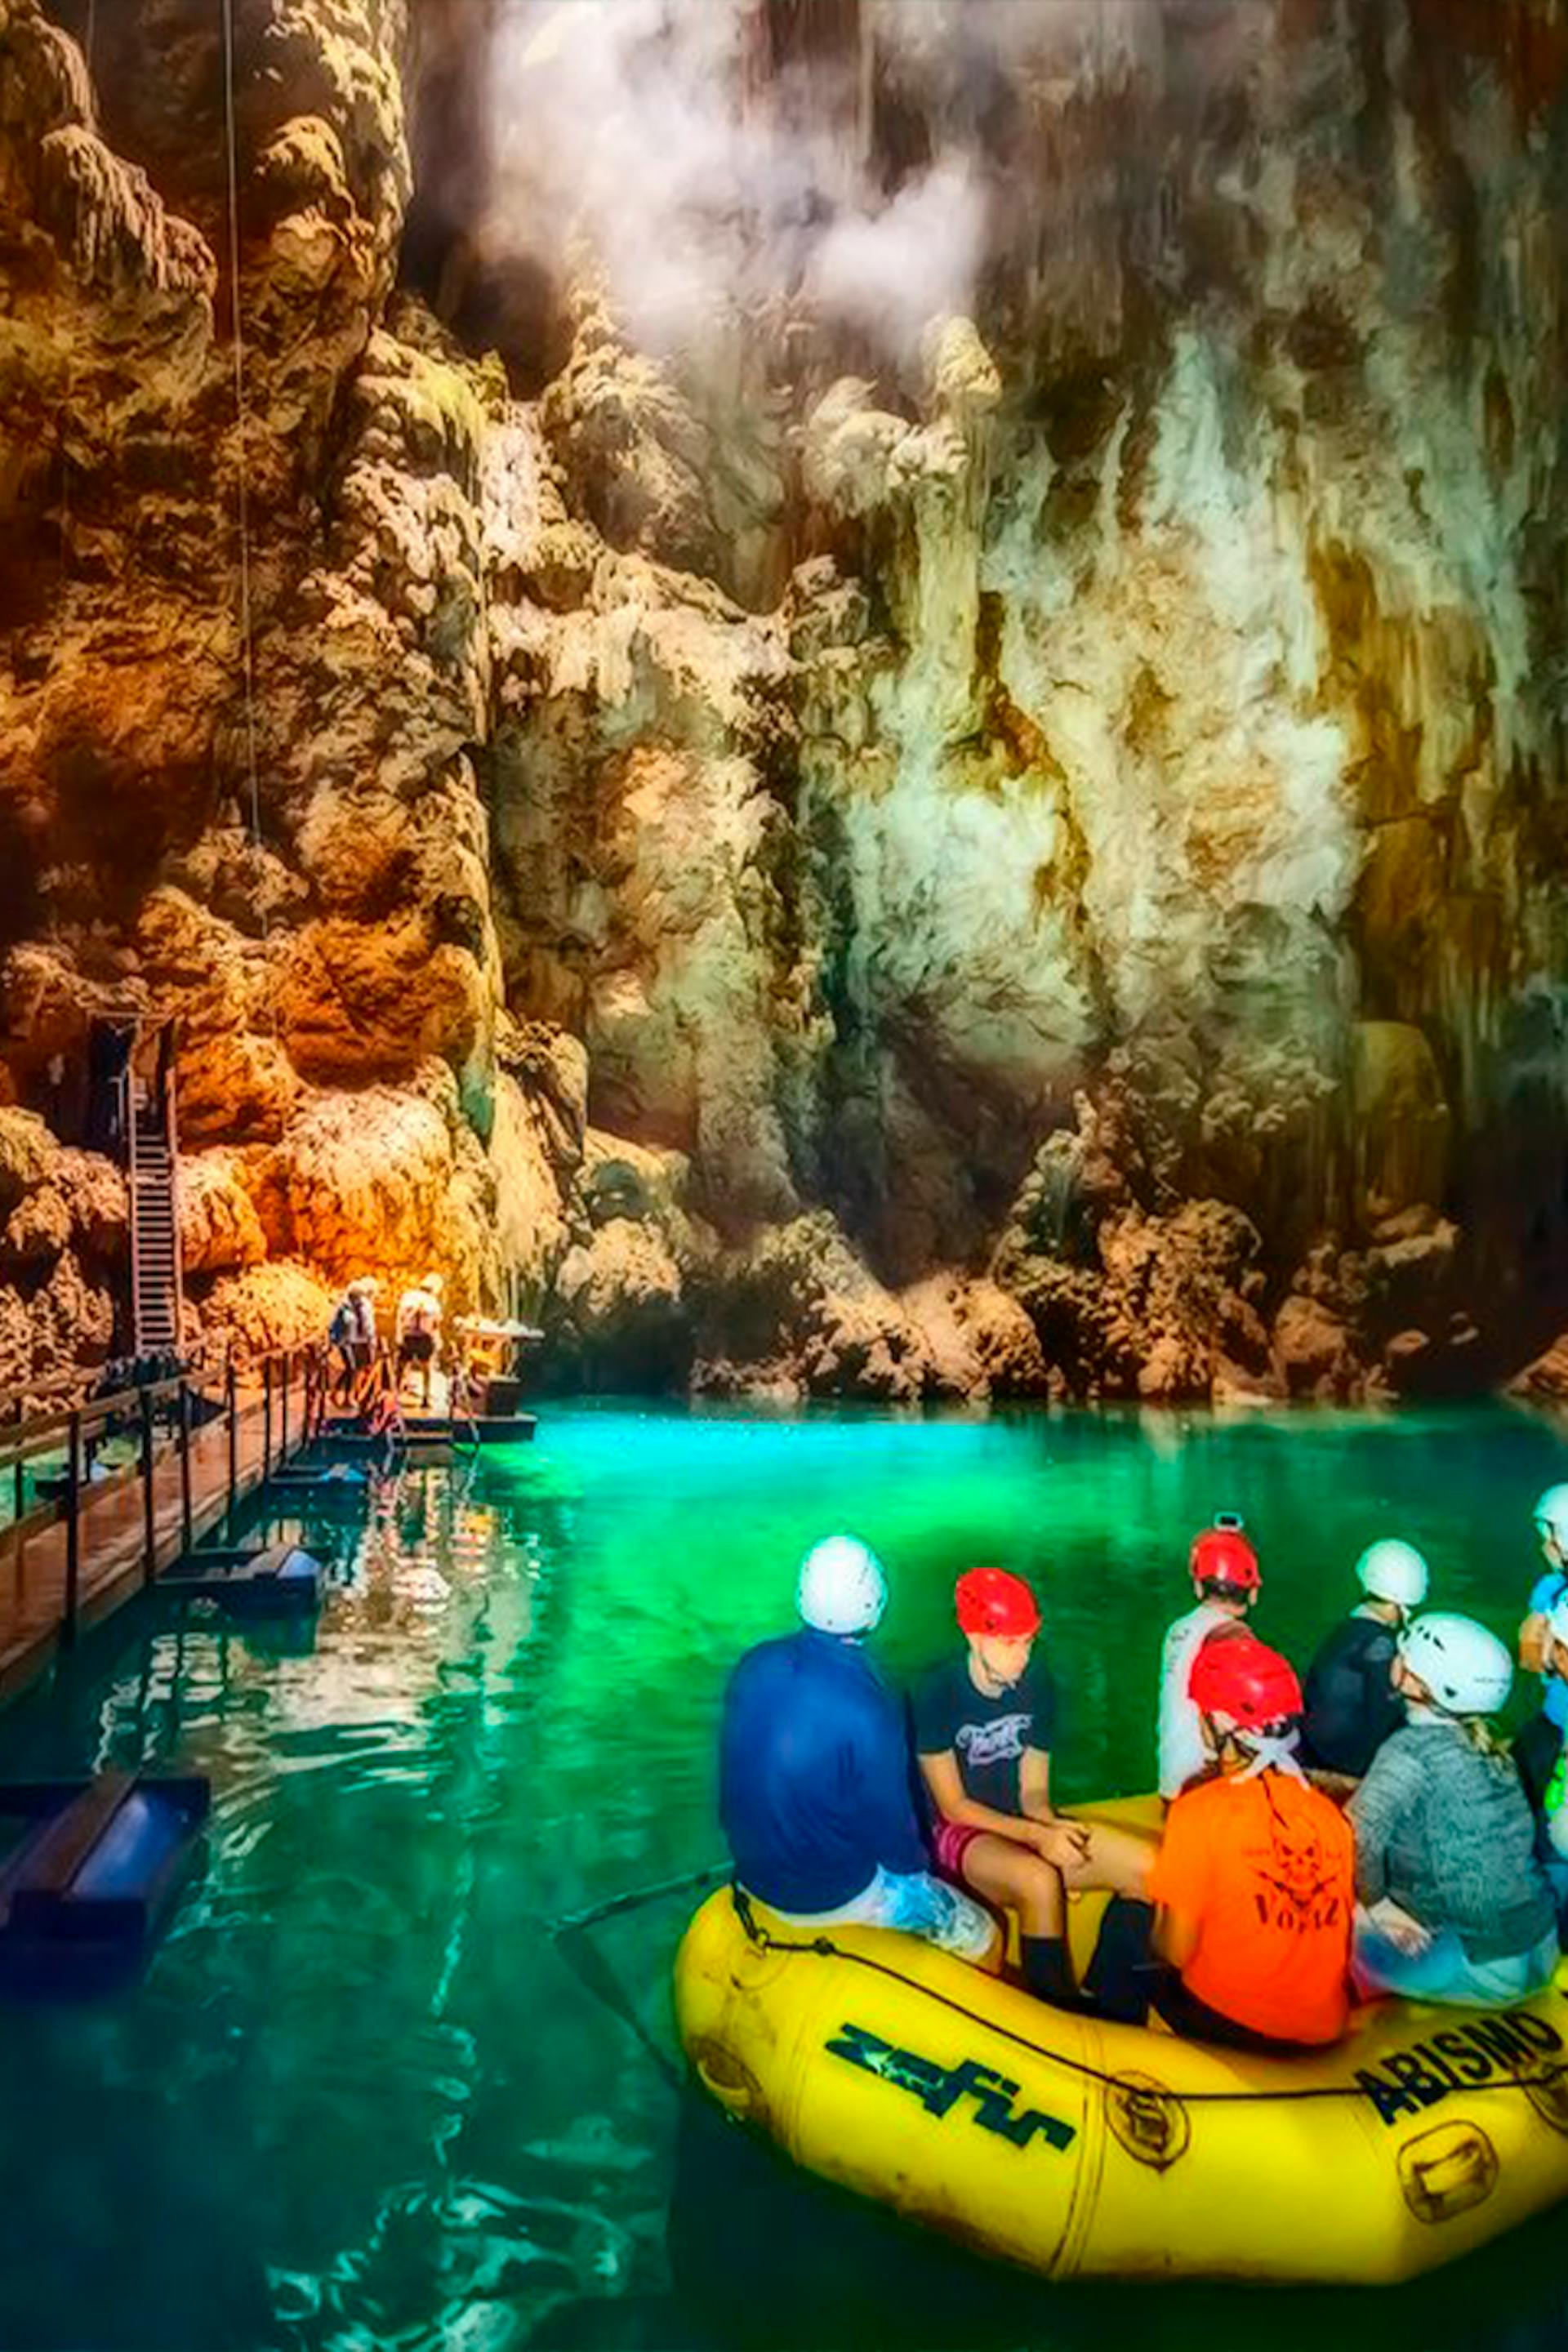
{"x": 1254, "y": 1886}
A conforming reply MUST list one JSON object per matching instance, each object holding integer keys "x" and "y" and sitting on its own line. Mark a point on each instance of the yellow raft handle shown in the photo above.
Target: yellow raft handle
{"x": 736, "y": 2096}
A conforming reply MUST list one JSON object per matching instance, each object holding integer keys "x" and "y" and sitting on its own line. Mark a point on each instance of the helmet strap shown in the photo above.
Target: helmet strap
{"x": 1269, "y": 1752}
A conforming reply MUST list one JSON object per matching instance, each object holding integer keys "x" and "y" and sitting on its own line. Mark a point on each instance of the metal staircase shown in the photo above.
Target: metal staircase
{"x": 156, "y": 1276}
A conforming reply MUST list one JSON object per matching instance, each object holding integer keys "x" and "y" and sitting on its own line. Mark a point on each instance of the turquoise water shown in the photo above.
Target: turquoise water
{"x": 367, "y": 2099}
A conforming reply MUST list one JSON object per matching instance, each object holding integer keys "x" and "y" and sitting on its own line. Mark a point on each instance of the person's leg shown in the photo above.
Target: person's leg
{"x": 1121, "y": 1976}
{"x": 1497, "y": 1984}
{"x": 1194, "y": 2021}
{"x": 1115, "y": 1859}
{"x": 1015, "y": 1879}
{"x": 918, "y": 1903}
{"x": 914, "y": 1903}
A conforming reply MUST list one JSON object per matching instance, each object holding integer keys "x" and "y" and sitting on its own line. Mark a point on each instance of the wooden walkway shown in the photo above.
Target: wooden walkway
{"x": 112, "y": 1560}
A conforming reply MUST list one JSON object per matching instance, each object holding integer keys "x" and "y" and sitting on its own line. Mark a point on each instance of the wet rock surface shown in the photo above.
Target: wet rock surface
{"x": 1024, "y": 862}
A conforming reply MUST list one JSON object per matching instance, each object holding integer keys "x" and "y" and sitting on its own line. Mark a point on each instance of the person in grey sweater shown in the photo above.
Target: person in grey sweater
{"x": 1453, "y": 1904}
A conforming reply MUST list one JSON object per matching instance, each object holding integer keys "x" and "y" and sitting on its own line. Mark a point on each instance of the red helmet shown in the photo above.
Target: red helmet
{"x": 1224, "y": 1556}
{"x": 991, "y": 1601}
{"x": 1236, "y": 1676}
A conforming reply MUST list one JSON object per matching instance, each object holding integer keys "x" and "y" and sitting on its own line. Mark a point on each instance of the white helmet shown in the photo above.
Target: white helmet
{"x": 842, "y": 1589}
{"x": 1467, "y": 1670}
{"x": 1392, "y": 1571}
{"x": 1551, "y": 1517}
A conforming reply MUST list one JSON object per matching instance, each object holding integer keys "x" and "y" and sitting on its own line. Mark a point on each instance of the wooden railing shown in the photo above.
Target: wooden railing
{"x": 287, "y": 1389}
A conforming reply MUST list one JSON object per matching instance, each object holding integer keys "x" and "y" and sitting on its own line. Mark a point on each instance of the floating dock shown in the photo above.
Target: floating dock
{"x": 87, "y": 1891}
{"x": 421, "y": 1429}
{"x": 65, "y": 1563}
{"x": 280, "y": 1579}
{"x": 337, "y": 1485}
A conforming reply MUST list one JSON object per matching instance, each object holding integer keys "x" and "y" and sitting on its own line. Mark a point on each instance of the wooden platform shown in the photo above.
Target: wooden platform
{"x": 86, "y": 1893}
{"x": 280, "y": 1579}
{"x": 422, "y": 1429}
{"x": 337, "y": 1487}
{"x": 112, "y": 1539}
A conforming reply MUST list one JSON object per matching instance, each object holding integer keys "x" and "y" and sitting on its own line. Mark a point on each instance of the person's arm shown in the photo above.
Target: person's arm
{"x": 1374, "y": 1813}
{"x": 1533, "y": 1637}
{"x": 1034, "y": 1765}
{"x": 1055, "y": 1842}
{"x": 1034, "y": 1784}
{"x": 1035, "y": 1795}
{"x": 875, "y": 1764}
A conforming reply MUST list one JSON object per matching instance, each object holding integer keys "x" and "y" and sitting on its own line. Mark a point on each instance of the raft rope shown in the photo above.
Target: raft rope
{"x": 690, "y": 1883}
{"x": 824, "y": 1947}
{"x": 594, "y": 1971}
{"x": 243, "y": 421}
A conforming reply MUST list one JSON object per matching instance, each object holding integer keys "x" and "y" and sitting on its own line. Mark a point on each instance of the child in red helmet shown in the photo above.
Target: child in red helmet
{"x": 983, "y": 1724}
{"x": 1226, "y": 1580}
{"x": 1254, "y": 1888}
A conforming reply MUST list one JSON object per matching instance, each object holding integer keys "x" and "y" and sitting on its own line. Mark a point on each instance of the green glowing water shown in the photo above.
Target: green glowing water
{"x": 365, "y": 2099}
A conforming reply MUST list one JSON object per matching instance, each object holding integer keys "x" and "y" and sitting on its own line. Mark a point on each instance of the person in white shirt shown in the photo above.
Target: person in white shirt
{"x": 419, "y": 1331}
{"x": 1227, "y": 1580}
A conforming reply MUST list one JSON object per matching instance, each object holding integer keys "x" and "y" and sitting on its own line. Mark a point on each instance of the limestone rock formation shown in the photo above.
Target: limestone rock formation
{"x": 798, "y": 1315}
{"x": 1001, "y": 846}
{"x": 220, "y": 1228}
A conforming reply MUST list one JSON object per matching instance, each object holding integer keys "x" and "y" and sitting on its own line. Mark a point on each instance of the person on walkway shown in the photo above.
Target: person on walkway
{"x": 1253, "y": 1883}
{"x": 1227, "y": 1580}
{"x": 419, "y": 1331}
{"x": 1352, "y": 1703}
{"x": 352, "y": 1334}
{"x": 983, "y": 1725}
{"x": 1455, "y": 1902}
{"x": 814, "y": 1772}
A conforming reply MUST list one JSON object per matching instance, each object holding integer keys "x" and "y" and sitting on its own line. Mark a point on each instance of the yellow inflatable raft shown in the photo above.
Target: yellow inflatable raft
{"x": 1085, "y": 2150}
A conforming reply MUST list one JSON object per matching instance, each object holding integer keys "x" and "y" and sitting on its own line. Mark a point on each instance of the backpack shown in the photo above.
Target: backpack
{"x": 341, "y": 1330}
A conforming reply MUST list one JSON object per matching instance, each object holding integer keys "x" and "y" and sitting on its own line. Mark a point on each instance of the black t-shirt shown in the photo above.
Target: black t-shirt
{"x": 1536, "y": 1748}
{"x": 1352, "y": 1703}
{"x": 988, "y": 1736}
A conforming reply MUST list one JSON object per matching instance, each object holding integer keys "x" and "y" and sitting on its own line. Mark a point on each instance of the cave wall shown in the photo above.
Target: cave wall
{"x": 1026, "y": 856}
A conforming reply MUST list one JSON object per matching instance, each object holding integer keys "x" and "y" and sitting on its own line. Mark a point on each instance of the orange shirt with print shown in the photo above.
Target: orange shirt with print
{"x": 1265, "y": 1870}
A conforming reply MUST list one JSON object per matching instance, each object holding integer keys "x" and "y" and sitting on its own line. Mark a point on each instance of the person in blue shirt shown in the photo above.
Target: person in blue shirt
{"x": 815, "y": 1787}
{"x": 1550, "y": 1516}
